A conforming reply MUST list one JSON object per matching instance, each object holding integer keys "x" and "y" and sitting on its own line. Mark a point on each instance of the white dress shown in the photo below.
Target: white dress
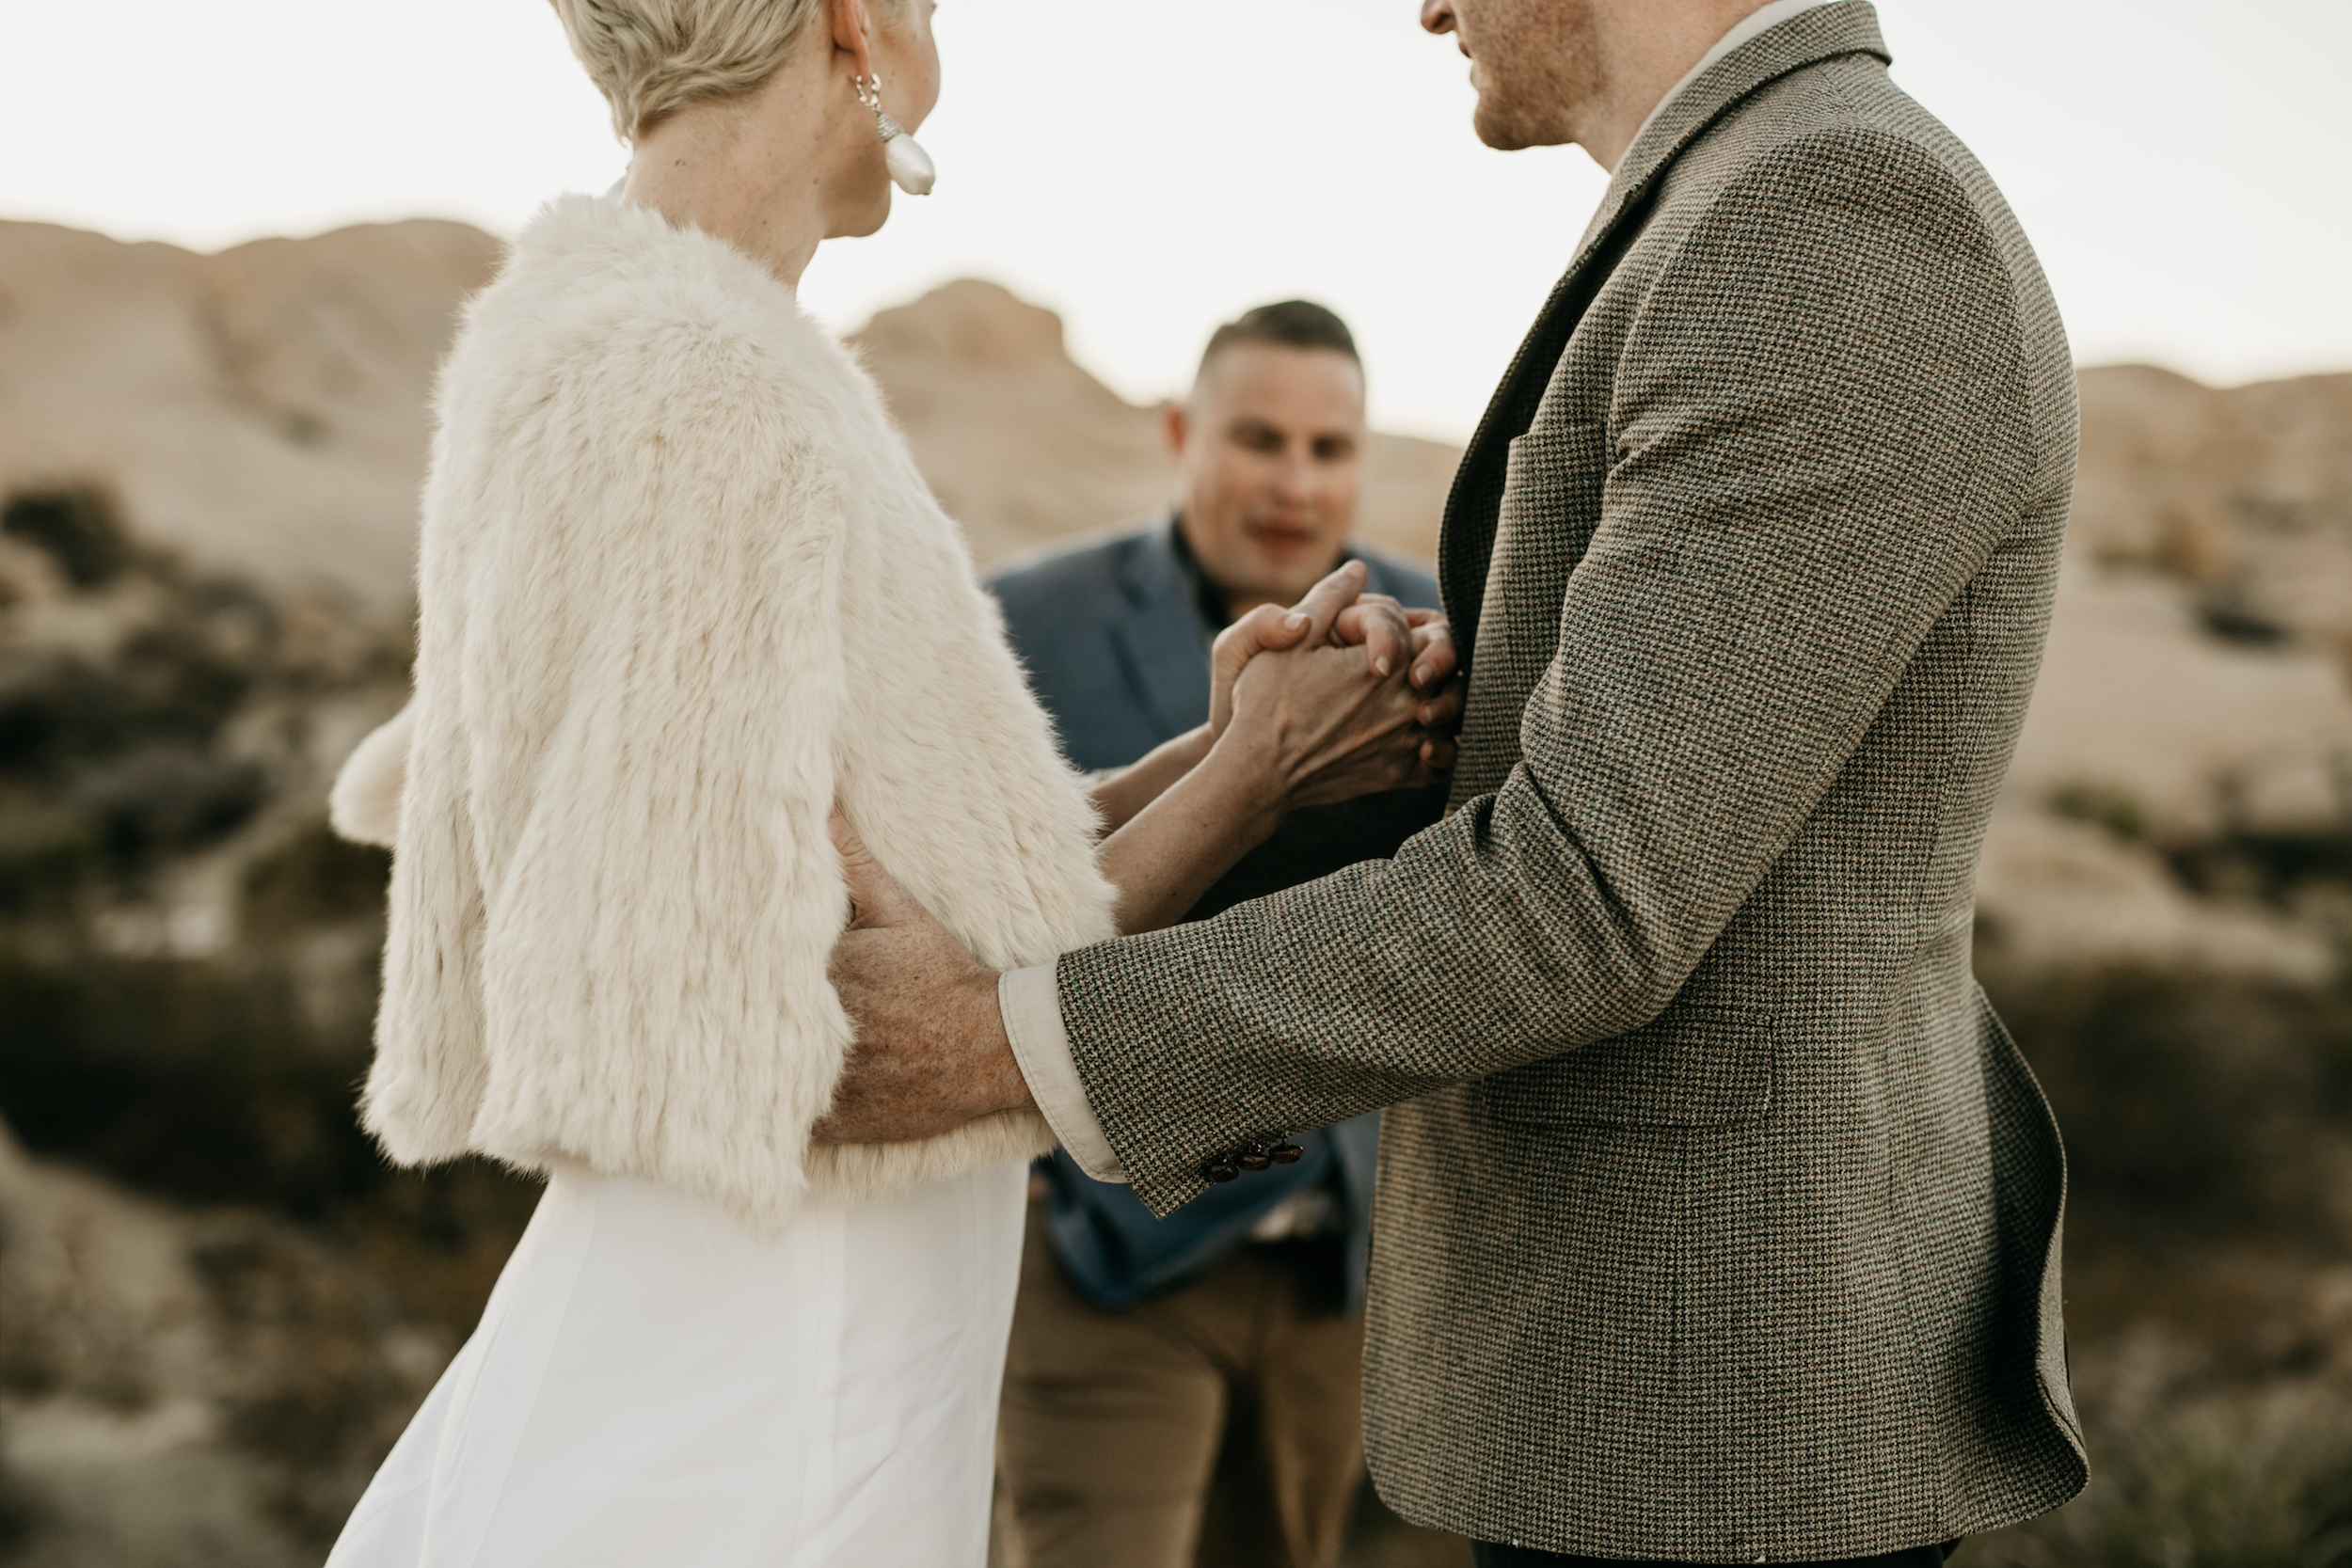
{"x": 653, "y": 1385}
{"x": 682, "y": 592}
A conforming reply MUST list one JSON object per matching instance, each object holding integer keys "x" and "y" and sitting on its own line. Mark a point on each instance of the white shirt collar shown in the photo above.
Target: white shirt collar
{"x": 1757, "y": 23}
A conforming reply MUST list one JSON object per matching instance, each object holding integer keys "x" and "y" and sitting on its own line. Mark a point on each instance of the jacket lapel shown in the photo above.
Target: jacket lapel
{"x": 1160, "y": 641}
{"x": 1466, "y": 539}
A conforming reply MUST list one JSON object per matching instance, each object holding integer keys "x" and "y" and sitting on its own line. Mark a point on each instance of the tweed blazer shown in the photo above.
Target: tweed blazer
{"x": 1718, "y": 1216}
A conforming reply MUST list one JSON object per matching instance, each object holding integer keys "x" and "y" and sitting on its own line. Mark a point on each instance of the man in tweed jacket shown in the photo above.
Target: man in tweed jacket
{"x": 1718, "y": 1217}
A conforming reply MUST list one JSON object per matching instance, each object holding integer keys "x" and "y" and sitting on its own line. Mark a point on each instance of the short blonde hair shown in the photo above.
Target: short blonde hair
{"x": 650, "y": 58}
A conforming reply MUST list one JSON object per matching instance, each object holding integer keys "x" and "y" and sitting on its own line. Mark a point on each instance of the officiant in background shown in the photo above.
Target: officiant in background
{"x": 1189, "y": 1391}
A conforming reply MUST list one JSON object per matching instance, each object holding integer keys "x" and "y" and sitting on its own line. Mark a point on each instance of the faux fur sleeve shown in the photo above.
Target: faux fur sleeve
{"x": 364, "y": 805}
{"x": 650, "y": 678}
{"x": 655, "y": 955}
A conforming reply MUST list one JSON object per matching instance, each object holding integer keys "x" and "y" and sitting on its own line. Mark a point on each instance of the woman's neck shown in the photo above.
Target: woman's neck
{"x": 753, "y": 171}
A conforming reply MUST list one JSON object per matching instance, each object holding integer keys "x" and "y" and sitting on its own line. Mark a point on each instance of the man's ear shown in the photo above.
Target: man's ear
{"x": 1175, "y": 428}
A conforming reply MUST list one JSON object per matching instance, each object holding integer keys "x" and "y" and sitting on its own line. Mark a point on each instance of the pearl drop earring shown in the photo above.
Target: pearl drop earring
{"x": 910, "y": 167}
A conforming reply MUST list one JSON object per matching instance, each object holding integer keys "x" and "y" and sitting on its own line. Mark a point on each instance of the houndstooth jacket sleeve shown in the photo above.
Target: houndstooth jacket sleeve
{"x": 1818, "y": 432}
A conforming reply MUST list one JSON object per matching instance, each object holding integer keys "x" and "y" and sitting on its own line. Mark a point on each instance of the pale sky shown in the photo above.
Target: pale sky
{"x": 1149, "y": 167}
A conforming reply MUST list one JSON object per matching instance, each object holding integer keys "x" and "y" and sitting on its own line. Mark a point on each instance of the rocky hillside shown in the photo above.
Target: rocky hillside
{"x": 216, "y": 1305}
{"x": 2187, "y": 764}
{"x": 262, "y": 411}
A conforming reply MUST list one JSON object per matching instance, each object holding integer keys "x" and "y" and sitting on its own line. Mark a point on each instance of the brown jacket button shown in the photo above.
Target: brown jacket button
{"x": 1254, "y": 1161}
{"x": 1221, "y": 1171}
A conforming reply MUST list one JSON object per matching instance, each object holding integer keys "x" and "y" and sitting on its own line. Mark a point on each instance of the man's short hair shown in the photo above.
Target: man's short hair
{"x": 1291, "y": 323}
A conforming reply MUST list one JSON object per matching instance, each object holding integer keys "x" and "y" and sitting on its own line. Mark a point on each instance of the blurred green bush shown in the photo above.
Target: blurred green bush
{"x": 128, "y": 735}
{"x": 199, "y": 1080}
{"x": 78, "y": 526}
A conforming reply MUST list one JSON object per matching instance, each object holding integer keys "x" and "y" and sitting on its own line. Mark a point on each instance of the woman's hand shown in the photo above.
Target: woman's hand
{"x": 1316, "y": 727}
{"x": 1270, "y": 628}
{"x": 1337, "y": 611}
{"x": 1301, "y": 715}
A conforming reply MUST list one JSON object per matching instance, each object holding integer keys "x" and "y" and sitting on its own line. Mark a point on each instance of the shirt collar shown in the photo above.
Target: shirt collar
{"x": 1755, "y": 25}
{"x": 1206, "y": 598}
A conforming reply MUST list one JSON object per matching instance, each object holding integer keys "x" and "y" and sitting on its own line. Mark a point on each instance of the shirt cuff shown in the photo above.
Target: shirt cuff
{"x": 1031, "y": 1003}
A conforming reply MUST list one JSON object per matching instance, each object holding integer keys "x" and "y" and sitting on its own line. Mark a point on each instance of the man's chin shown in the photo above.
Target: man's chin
{"x": 1288, "y": 574}
{"x": 1506, "y": 133}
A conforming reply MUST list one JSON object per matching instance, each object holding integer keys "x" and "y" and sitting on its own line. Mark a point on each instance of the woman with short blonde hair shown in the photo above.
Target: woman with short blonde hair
{"x": 650, "y": 58}
{"x": 683, "y": 596}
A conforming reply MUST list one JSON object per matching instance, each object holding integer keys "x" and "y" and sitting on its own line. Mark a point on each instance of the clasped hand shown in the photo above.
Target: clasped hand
{"x": 1333, "y": 724}
{"x": 1345, "y": 694}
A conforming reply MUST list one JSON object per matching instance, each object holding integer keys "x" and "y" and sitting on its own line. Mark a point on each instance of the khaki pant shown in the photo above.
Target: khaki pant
{"x": 1219, "y": 1425}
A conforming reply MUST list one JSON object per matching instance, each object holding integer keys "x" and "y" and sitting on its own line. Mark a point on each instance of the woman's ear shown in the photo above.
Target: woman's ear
{"x": 851, "y": 25}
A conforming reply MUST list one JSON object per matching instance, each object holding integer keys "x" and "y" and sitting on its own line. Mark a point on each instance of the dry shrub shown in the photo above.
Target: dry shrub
{"x": 2193, "y": 1105}
{"x": 2251, "y": 1483}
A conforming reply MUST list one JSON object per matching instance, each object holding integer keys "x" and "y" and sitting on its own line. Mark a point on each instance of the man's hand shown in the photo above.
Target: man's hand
{"x": 1387, "y": 632}
{"x": 1378, "y": 622}
{"x": 932, "y": 1052}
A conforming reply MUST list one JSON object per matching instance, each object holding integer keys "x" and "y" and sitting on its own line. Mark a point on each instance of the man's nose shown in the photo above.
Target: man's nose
{"x": 1437, "y": 16}
{"x": 1294, "y": 479}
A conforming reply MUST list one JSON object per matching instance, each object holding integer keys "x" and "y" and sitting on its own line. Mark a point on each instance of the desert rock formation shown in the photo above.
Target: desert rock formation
{"x": 2195, "y": 690}
{"x": 1025, "y": 449}
{"x": 185, "y": 1390}
{"x": 264, "y": 411}
{"x": 261, "y": 410}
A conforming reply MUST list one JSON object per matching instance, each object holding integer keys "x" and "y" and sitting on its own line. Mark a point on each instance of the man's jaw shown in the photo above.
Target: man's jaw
{"x": 1543, "y": 89}
{"x": 1289, "y": 559}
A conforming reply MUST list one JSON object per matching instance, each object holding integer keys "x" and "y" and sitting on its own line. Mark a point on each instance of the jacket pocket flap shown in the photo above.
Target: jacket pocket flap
{"x": 1694, "y": 1067}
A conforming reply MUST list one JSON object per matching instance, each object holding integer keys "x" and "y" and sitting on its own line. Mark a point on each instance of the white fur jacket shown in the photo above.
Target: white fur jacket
{"x": 681, "y": 588}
